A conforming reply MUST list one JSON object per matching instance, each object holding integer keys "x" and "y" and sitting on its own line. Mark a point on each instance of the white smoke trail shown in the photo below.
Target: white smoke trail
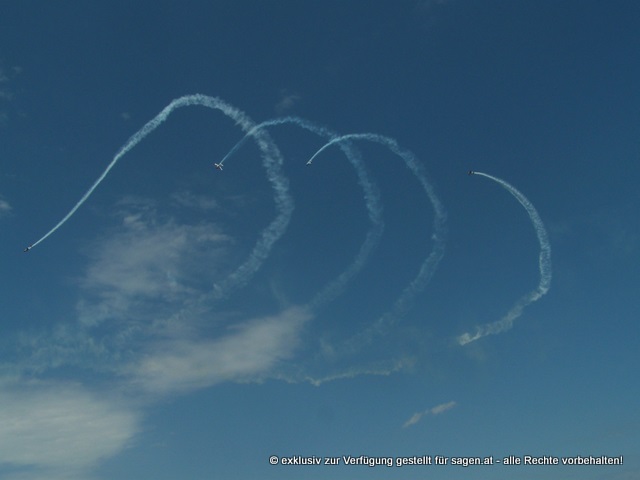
{"x": 430, "y": 264}
{"x": 544, "y": 263}
{"x": 272, "y": 161}
{"x": 371, "y": 196}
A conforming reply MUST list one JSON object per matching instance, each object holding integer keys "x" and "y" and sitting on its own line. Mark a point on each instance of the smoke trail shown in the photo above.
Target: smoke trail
{"x": 544, "y": 262}
{"x": 271, "y": 159}
{"x": 430, "y": 264}
{"x": 371, "y": 195}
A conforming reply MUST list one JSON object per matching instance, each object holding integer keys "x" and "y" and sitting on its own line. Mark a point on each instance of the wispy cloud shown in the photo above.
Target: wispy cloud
{"x": 144, "y": 303}
{"x": 58, "y": 430}
{"x": 147, "y": 267}
{"x": 6, "y": 91}
{"x": 287, "y": 101}
{"x": 437, "y": 410}
{"x": 5, "y": 208}
{"x": 142, "y": 280}
{"x": 137, "y": 328}
{"x": 190, "y": 200}
{"x": 248, "y": 351}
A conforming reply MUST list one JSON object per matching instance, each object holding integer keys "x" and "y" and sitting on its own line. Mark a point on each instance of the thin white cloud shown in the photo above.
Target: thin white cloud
{"x": 68, "y": 344}
{"x": 287, "y": 101}
{"x": 59, "y": 430}
{"x": 248, "y": 352}
{"x": 190, "y": 200}
{"x": 443, "y": 407}
{"x": 142, "y": 279}
{"x": 145, "y": 290}
{"x": 6, "y": 92}
{"x": 415, "y": 418}
{"x": 5, "y": 208}
{"x": 138, "y": 288}
{"x": 437, "y": 410}
{"x": 148, "y": 268}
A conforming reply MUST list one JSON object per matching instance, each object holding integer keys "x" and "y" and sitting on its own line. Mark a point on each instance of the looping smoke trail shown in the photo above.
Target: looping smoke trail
{"x": 430, "y": 264}
{"x": 272, "y": 161}
{"x": 371, "y": 196}
{"x": 544, "y": 262}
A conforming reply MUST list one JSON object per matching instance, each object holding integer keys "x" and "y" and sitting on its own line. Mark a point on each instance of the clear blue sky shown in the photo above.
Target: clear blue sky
{"x": 187, "y": 323}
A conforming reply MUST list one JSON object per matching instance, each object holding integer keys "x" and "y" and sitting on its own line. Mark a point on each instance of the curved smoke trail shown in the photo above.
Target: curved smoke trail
{"x": 371, "y": 196}
{"x": 430, "y": 264}
{"x": 544, "y": 262}
{"x": 272, "y": 161}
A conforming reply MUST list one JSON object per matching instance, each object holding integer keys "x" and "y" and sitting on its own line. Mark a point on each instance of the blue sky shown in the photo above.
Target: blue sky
{"x": 190, "y": 323}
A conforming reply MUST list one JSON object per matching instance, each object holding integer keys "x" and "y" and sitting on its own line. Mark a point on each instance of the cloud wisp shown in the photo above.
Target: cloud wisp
{"x": 59, "y": 430}
{"x": 248, "y": 351}
{"x": 5, "y": 207}
{"x": 437, "y": 410}
{"x": 138, "y": 333}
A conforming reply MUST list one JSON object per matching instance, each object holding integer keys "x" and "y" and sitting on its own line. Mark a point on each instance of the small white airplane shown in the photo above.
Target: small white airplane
{"x": 28, "y": 248}
{"x": 471, "y": 172}
{"x": 309, "y": 162}
{"x": 218, "y": 166}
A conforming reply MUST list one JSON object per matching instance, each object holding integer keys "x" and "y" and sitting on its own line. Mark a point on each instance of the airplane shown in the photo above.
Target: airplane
{"x": 218, "y": 166}
{"x": 28, "y": 248}
{"x": 471, "y": 172}
{"x": 309, "y": 162}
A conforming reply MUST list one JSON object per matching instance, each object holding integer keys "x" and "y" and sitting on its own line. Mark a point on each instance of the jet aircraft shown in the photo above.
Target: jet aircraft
{"x": 309, "y": 162}
{"x": 28, "y": 248}
{"x": 471, "y": 172}
{"x": 218, "y": 166}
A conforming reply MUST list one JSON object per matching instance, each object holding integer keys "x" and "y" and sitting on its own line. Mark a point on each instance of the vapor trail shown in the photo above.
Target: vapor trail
{"x": 544, "y": 263}
{"x": 371, "y": 196}
{"x": 271, "y": 159}
{"x": 430, "y": 264}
